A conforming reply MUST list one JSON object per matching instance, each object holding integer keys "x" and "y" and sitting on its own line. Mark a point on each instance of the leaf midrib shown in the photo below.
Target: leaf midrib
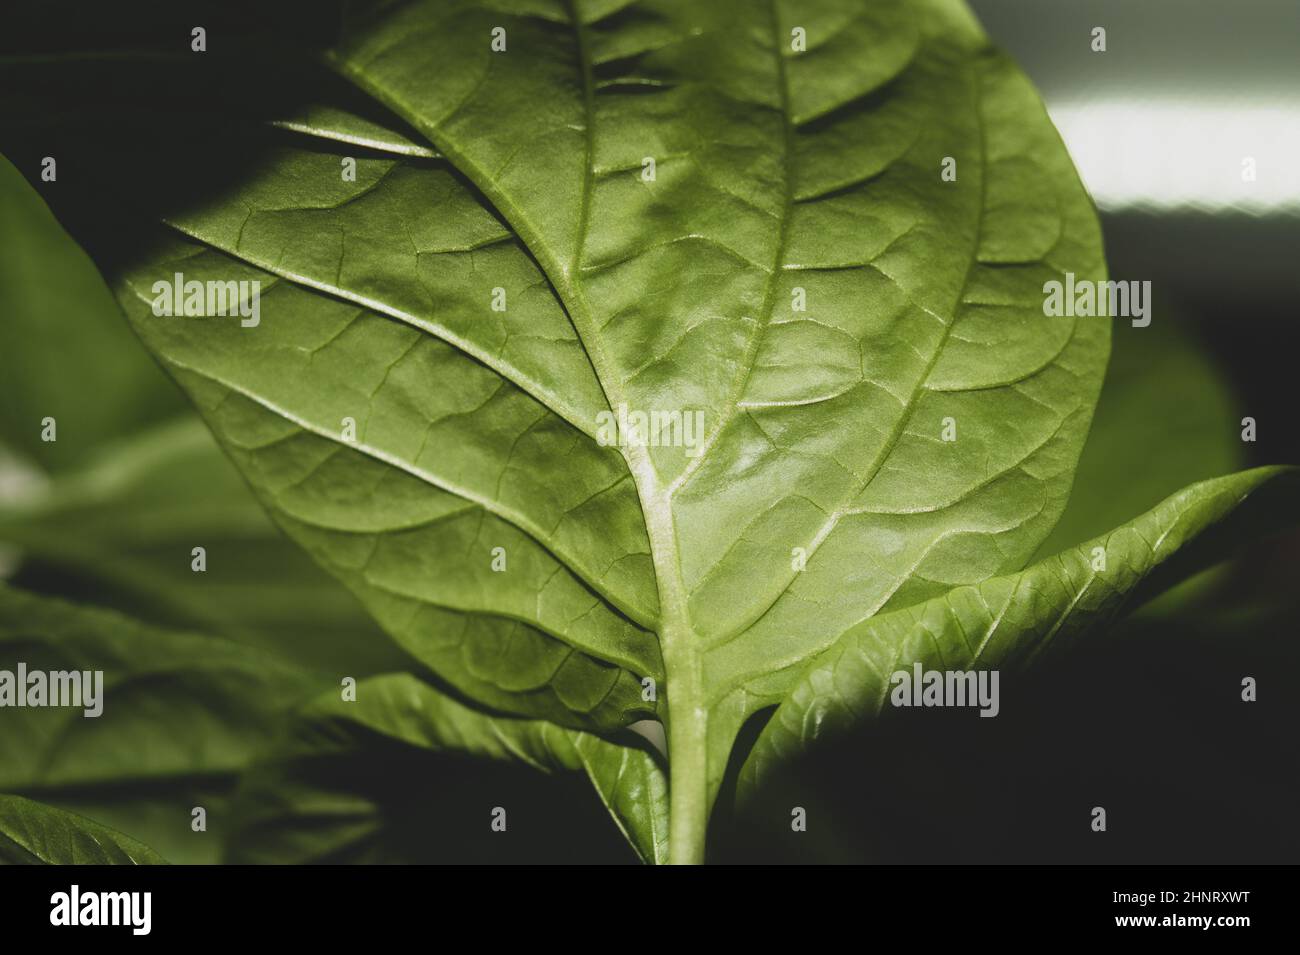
{"x": 682, "y": 653}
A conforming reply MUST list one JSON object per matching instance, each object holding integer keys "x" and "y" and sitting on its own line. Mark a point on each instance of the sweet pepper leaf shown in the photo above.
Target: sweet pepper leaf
{"x": 328, "y": 121}
{"x": 798, "y": 276}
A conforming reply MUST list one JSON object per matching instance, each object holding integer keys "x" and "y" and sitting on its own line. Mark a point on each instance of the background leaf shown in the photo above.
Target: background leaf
{"x": 33, "y": 834}
{"x": 1165, "y": 403}
{"x": 1007, "y": 621}
{"x": 64, "y": 351}
{"x": 321, "y": 795}
{"x": 182, "y": 716}
{"x": 119, "y": 532}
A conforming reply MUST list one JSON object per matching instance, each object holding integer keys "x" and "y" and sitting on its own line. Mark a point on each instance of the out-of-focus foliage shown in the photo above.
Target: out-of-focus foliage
{"x": 1166, "y": 418}
{"x": 34, "y": 834}
{"x": 65, "y": 353}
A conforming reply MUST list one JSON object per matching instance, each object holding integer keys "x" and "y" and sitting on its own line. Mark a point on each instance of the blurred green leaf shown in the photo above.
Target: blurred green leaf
{"x": 1166, "y": 406}
{"x": 182, "y": 715}
{"x": 120, "y": 530}
{"x": 32, "y": 833}
{"x": 1166, "y": 418}
{"x": 65, "y": 352}
{"x": 318, "y": 797}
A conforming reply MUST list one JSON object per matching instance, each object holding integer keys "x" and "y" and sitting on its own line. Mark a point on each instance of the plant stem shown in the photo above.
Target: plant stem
{"x": 688, "y": 800}
{"x": 687, "y": 717}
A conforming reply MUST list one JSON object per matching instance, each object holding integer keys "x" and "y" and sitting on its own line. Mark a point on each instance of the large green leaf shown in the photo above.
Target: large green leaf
{"x": 776, "y": 171}
{"x": 34, "y": 834}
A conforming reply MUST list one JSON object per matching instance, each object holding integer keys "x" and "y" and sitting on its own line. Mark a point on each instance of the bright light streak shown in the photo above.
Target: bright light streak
{"x": 1166, "y": 154}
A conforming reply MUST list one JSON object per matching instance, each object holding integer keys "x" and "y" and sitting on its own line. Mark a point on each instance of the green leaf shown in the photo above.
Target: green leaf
{"x": 35, "y": 834}
{"x": 181, "y": 716}
{"x": 776, "y": 171}
{"x": 1008, "y": 621}
{"x": 328, "y": 121}
{"x": 65, "y": 353}
{"x": 314, "y": 801}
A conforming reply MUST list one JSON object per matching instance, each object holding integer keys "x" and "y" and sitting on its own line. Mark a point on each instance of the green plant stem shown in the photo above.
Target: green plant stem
{"x": 688, "y": 802}
{"x": 688, "y": 797}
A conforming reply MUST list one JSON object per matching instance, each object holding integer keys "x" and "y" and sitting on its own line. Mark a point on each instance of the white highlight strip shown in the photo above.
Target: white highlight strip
{"x": 1171, "y": 153}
